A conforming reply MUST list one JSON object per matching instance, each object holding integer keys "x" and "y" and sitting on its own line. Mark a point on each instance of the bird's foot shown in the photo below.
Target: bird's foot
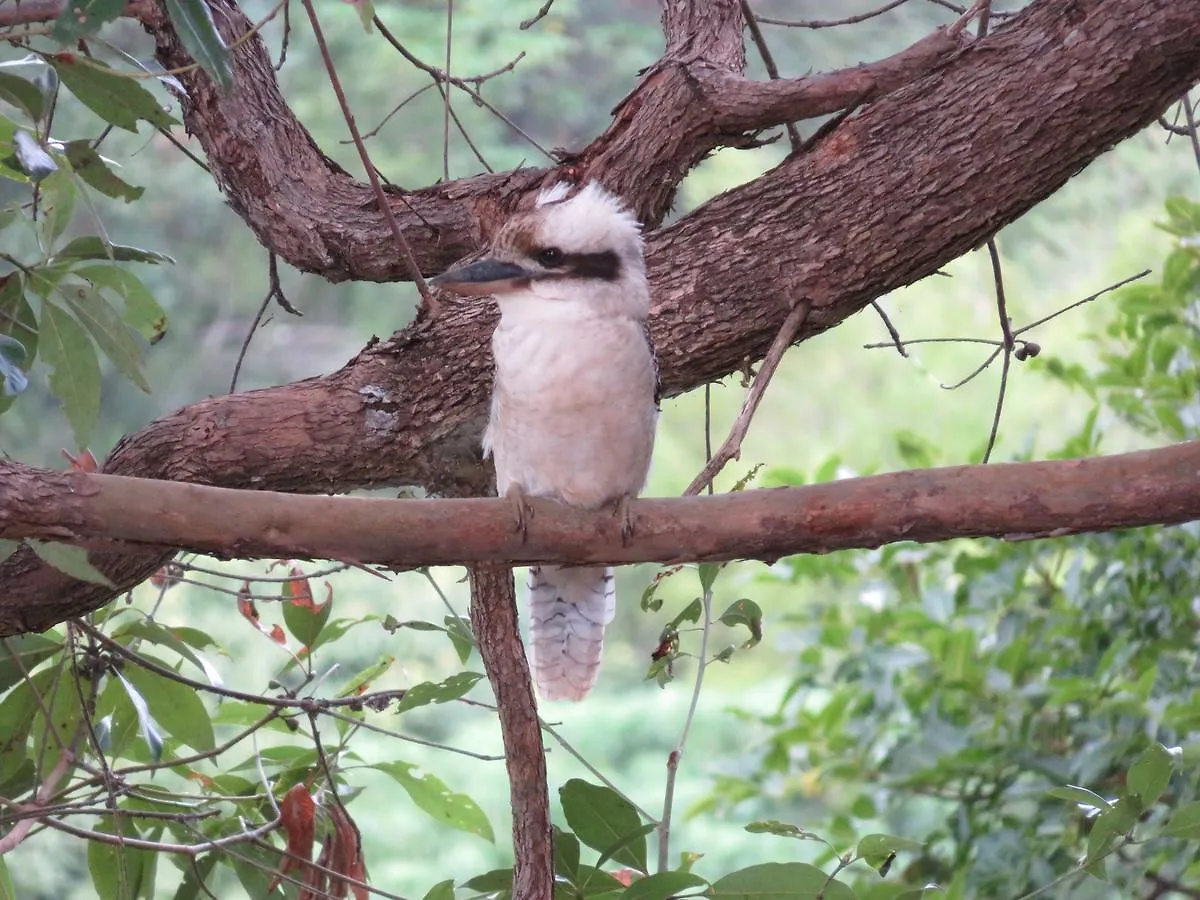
{"x": 625, "y": 515}
{"x": 522, "y": 511}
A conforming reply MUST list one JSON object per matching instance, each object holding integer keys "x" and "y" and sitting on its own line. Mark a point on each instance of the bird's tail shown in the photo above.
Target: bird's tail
{"x": 568, "y": 609}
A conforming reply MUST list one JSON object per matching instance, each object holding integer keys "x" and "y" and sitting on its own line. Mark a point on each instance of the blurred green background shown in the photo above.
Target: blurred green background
{"x": 834, "y": 406}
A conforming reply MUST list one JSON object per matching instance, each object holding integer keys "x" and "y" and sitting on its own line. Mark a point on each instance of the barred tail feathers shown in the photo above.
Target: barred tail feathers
{"x": 568, "y": 609}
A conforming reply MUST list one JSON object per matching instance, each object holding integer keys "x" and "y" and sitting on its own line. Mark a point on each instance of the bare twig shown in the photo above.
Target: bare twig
{"x": 541, "y": 14}
{"x": 1006, "y": 328}
{"x": 676, "y": 755}
{"x": 446, "y": 94}
{"x": 494, "y": 615}
{"x": 769, "y": 62}
{"x": 464, "y": 84}
{"x": 274, "y": 290}
{"x": 432, "y": 307}
{"x": 1190, "y": 113}
{"x": 833, "y": 23}
{"x": 732, "y": 447}
{"x": 891, "y": 329}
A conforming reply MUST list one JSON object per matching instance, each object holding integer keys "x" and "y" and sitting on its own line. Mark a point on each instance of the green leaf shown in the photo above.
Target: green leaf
{"x": 1108, "y": 827}
{"x": 7, "y": 891}
{"x": 491, "y": 882}
{"x": 80, "y": 18}
{"x": 443, "y": 890}
{"x": 92, "y": 246}
{"x": 176, "y": 707}
{"x": 745, "y": 612}
{"x": 431, "y": 795}
{"x": 21, "y": 653}
{"x": 142, "y": 312}
{"x": 303, "y": 616}
{"x": 602, "y": 818}
{"x": 194, "y": 25}
{"x": 690, "y": 613}
{"x": 31, "y": 157}
{"x": 460, "y": 636}
{"x": 149, "y": 728}
{"x": 13, "y": 379}
{"x": 113, "y": 336}
{"x": 662, "y": 885}
{"x": 195, "y": 876}
{"x": 154, "y": 633}
{"x": 362, "y": 680}
{"x": 57, "y": 209}
{"x": 1149, "y": 775}
{"x": 566, "y": 853}
{"x": 75, "y": 378}
{"x": 438, "y": 692}
{"x": 114, "y": 98}
{"x": 630, "y": 840}
{"x": 783, "y": 829}
{"x": 1080, "y": 795}
{"x": 708, "y": 573}
{"x": 23, "y": 94}
{"x": 91, "y": 167}
{"x": 1184, "y": 822}
{"x": 68, "y": 559}
{"x": 875, "y": 848}
{"x": 119, "y": 873}
{"x": 779, "y": 881}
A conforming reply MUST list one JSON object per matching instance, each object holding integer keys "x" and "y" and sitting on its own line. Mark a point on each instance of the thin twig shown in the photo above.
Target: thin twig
{"x": 891, "y": 329}
{"x": 769, "y": 62}
{"x": 596, "y": 773}
{"x": 432, "y": 307}
{"x": 1006, "y": 329}
{"x": 463, "y": 84}
{"x": 731, "y": 448}
{"x": 833, "y": 23}
{"x": 1191, "y": 120}
{"x": 541, "y": 14}
{"x": 676, "y": 755}
{"x": 273, "y": 290}
{"x": 446, "y": 94}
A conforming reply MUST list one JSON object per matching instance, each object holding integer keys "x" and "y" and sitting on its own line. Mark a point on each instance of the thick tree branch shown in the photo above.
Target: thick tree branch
{"x": 1014, "y": 501}
{"x": 917, "y": 178}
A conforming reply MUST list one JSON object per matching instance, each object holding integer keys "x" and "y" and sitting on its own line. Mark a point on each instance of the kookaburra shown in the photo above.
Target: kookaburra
{"x": 573, "y": 401}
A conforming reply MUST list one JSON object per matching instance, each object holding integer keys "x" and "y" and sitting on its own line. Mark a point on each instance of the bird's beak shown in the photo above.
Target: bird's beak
{"x": 484, "y": 276}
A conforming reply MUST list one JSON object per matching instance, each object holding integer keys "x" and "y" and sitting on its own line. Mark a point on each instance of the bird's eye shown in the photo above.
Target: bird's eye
{"x": 550, "y": 256}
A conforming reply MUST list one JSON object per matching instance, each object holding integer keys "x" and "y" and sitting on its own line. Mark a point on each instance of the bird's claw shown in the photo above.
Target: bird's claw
{"x": 522, "y": 511}
{"x": 625, "y": 515}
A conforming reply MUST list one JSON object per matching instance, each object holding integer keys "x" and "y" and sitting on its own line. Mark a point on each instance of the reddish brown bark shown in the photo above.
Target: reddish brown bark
{"x": 494, "y": 619}
{"x": 972, "y": 140}
{"x": 1013, "y": 500}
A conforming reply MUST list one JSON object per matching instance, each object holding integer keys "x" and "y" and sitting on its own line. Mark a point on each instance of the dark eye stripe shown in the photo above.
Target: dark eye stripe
{"x": 605, "y": 265}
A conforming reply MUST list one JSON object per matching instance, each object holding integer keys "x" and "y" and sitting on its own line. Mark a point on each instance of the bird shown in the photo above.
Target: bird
{"x": 574, "y": 402}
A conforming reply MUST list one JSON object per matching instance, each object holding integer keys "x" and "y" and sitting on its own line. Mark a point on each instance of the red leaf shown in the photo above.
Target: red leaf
{"x": 297, "y": 817}
{"x": 297, "y": 591}
{"x": 278, "y": 636}
{"x": 246, "y": 606}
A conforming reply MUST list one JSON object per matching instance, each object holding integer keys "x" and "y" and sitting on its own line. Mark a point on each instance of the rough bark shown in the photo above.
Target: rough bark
{"x": 921, "y": 175}
{"x": 494, "y": 618}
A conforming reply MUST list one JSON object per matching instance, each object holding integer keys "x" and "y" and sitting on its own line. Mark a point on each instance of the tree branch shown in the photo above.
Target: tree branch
{"x": 494, "y": 619}
{"x": 887, "y": 198}
{"x": 1012, "y": 501}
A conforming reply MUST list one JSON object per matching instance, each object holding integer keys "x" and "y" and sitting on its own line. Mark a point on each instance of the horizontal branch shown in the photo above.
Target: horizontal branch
{"x": 1012, "y": 501}
{"x": 743, "y": 104}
